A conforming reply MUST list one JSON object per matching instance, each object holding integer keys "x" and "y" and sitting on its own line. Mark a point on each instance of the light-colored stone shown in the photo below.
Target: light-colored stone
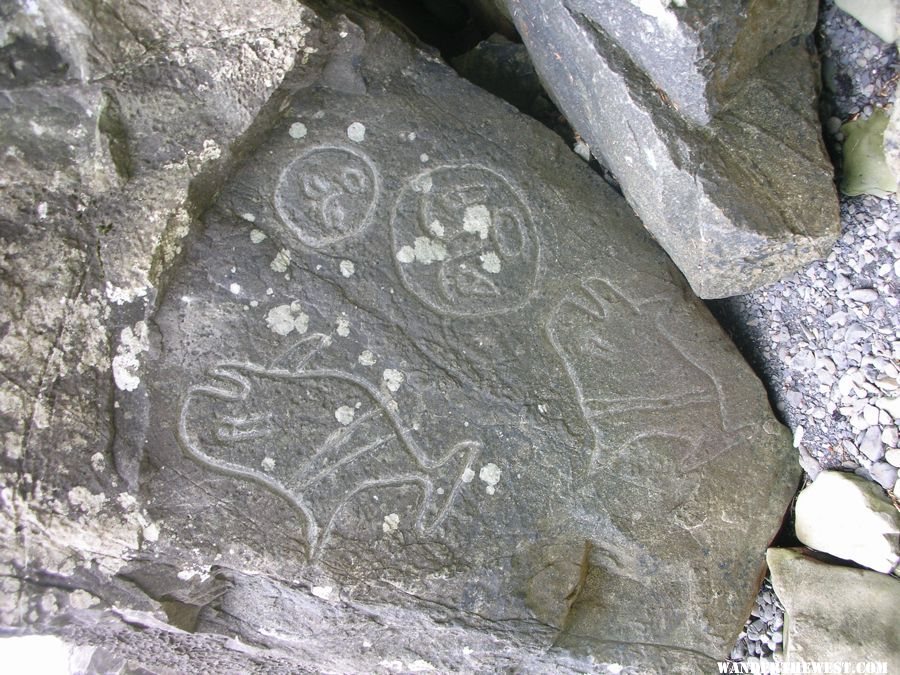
{"x": 878, "y": 16}
{"x": 855, "y": 620}
{"x": 893, "y": 456}
{"x": 849, "y": 517}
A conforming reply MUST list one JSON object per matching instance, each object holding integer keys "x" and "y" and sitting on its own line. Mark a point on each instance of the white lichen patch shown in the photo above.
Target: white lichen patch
{"x": 249, "y": 217}
{"x": 42, "y": 211}
{"x": 426, "y": 251}
{"x": 347, "y": 268}
{"x": 367, "y": 358}
{"x": 127, "y": 501}
{"x": 343, "y": 327}
{"x": 120, "y": 296}
{"x": 411, "y": 136}
{"x": 126, "y": 363}
{"x": 257, "y": 236}
{"x": 420, "y": 666}
{"x": 391, "y": 523}
{"x": 392, "y": 378}
{"x": 490, "y": 474}
{"x": 423, "y": 158}
{"x": 98, "y": 462}
{"x": 151, "y": 532}
{"x": 83, "y": 340}
{"x": 211, "y": 151}
{"x": 323, "y": 592}
{"x": 297, "y": 130}
{"x": 423, "y": 184}
{"x": 268, "y": 464}
{"x": 283, "y": 319}
{"x": 356, "y": 132}
{"x": 344, "y": 414}
{"x": 281, "y": 262}
{"x": 436, "y": 228}
{"x": 406, "y": 254}
{"x": 477, "y": 220}
{"x": 86, "y": 501}
{"x": 467, "y": 475}
{"x": 235, "y": 289}
{"x": 490, "y": 262}
{"x": 187, "y": 575}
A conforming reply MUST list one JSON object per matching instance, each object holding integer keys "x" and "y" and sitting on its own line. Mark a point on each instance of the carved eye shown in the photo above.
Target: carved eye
{"x": 316, "y": 186}
{"x": 353, "y": 180}
{"x": 508, "y": 232}
{"x": 244, "y": 428}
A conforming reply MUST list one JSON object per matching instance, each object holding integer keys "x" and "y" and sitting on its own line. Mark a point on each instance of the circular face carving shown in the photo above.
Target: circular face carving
{"x": 327, "y": 194}
{"x": 464, "y": 241}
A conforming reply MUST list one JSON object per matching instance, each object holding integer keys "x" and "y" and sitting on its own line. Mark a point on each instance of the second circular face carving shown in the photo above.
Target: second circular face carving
{"x": 327, "y": 194}
{"x": 464, "y": 241}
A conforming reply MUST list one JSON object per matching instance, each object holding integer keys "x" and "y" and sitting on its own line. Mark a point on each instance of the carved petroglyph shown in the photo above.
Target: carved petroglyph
{"x": 316, "y": 437}
{"x": 464, "y": 241}
{"x": 327, "y": 194}
{"x": 636, "y": 382}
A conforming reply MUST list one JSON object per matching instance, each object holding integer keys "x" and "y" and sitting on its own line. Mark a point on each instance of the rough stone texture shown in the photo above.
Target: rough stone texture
{"x": 479, "y": 422}
{"x": 737, "y": 203}
{"x": 849, "y": 517}
{"x": 854, "y": 621}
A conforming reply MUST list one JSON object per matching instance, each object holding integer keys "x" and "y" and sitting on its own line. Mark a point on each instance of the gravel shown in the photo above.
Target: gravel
{"x": 827, "y": 340}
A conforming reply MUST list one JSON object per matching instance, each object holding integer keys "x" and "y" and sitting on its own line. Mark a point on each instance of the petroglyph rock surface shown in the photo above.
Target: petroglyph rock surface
{"x": 303, "y": 370}
{"x": 512, "y": 415}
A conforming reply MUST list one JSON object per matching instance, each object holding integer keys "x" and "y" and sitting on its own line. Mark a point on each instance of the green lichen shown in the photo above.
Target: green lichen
{"x": 865, "y": 168}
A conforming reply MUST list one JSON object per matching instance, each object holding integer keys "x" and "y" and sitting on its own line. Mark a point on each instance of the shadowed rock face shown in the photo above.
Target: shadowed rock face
{"x": 418, "y": 385}
{"x": 739, "y": 194}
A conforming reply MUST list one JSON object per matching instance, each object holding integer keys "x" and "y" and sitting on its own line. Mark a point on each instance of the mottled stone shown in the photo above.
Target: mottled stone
{"x": 738, "y": 201}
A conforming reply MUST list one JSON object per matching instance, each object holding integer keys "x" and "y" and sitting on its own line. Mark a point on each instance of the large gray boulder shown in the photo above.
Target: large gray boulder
{"x": 739, "y": 191}
{"x": 404, "y": 398}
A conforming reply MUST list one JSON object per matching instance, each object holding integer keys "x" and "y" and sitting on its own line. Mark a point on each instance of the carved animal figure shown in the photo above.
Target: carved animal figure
{"x": 317, "y": 437}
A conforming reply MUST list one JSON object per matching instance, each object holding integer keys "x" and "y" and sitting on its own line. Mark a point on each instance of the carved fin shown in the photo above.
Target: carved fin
{"x": 299, "y": 354}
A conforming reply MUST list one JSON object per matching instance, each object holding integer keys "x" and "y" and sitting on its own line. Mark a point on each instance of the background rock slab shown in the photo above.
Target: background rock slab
{"x": 738, "y": 202}
{"x": 856, "y": 621}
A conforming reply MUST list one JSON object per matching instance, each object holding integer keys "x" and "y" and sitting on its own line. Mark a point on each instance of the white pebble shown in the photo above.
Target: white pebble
{"x": 864, "y": 294}
{"x": 356, "y": 132}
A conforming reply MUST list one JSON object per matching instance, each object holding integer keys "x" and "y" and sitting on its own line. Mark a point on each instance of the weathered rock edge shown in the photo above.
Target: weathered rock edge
{"x": 739, "y": 202}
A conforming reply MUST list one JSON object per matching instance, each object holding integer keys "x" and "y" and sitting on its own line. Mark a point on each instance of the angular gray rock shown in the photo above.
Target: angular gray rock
{"x": 737, "y": 202}
{"x": 406, "y": 395}
{"x": 854, "y": 621}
